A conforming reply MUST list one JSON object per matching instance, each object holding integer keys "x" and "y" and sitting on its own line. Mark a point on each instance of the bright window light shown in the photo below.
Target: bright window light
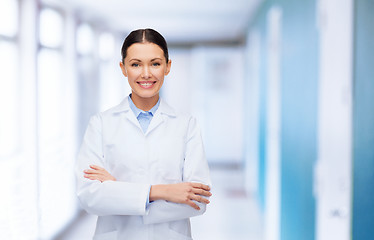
{"x": 50, "y": 96}
{"x": 9, "y": 97}
{"x": 8, "y": 17}
{"x": 51, "y": 28}
{"x": 85, "y": 39}
{"x": 106, "y": 46}
{"x": 51, "y": 138}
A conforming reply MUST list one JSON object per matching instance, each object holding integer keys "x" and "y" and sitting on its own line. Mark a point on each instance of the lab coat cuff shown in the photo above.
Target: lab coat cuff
{"x": 149, "y": 192}
{"x": 146, "y": 198}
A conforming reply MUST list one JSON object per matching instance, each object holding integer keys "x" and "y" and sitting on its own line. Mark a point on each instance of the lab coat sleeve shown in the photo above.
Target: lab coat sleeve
{"x": 195, "y": 170}
{"x": 109, "y": 197}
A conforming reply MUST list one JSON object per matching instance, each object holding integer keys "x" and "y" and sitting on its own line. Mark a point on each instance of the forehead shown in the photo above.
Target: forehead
{"x": 144, "y": 51}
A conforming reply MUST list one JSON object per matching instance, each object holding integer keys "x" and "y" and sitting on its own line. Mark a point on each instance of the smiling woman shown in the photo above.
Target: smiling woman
{"x": 145, "y": 68}
{"x": 142, "y": 167}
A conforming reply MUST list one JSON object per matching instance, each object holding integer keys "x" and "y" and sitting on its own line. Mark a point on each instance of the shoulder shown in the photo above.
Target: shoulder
{"x": 178, "y": 114}
{"x": 180, "y": 117}
{"x": 123, "y": 106}
{"x": 110, "y": 113}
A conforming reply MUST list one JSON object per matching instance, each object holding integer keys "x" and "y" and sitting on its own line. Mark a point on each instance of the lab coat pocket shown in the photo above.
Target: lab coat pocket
{"x": 106, "y": 236}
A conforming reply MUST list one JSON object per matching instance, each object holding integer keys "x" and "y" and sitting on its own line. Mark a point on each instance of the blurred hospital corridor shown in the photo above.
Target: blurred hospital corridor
{"x": 281, "y": 90}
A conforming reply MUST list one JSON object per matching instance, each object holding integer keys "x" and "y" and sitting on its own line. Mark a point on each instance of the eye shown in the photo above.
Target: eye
{"x": 156, "y": 64}
{"x": 135, "y": 65}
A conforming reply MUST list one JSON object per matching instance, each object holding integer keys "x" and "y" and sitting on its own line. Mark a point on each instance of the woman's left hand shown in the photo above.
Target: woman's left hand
{"x": 98, "y": 173}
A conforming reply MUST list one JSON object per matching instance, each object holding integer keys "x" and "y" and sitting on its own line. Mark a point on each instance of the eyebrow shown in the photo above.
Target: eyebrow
{"x": 138, "y": 60}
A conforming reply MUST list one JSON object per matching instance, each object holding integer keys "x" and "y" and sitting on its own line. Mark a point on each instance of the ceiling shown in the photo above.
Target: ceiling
{"x": 181, "y": 22}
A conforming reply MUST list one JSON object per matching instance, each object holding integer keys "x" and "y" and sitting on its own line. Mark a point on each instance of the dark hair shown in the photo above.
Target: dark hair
{"x": 143, "y": 36}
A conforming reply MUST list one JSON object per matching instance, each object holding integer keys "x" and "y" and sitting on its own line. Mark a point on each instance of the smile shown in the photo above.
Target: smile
{"x": 146, "y": 84}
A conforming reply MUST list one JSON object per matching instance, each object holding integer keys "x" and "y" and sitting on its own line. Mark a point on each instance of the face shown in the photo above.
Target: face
{"x": 145, "y": 67}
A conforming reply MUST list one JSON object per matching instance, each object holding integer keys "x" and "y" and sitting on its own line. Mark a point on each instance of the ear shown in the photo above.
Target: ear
{"x": 123, "y": 69}
{"x": 168, "y": 66}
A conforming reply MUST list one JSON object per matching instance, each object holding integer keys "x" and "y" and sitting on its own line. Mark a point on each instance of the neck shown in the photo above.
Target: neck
{"x": 144, "y": 104}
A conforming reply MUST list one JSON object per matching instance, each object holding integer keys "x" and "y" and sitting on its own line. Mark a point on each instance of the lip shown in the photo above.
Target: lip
{"x": 146, "y": 84}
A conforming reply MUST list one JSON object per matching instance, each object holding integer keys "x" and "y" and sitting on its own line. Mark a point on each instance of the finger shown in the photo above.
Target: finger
{"x": 194, "y": 205}
{"x": 90, "y": 171}
{"x": 96, "y": 167}
{"x": 202, "y": 192}
{"x": 91, "y": 177}
{"x": 200, "y": 199}
{"x": 201, "y": 186}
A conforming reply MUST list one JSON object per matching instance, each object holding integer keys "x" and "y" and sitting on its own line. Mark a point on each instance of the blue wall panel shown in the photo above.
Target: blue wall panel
{"x": 299, "y": 78}
{"x": 260, "y": 25}
{"x": 262, "y": 125}
{"x": 363, "y": 121}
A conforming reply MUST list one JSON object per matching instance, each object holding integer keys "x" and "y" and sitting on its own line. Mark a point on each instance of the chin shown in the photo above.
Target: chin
{"x": 143, "y": 94}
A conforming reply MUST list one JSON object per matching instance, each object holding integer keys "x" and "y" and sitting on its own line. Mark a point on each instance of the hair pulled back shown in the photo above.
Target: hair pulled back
{"x": 143, "y": 36}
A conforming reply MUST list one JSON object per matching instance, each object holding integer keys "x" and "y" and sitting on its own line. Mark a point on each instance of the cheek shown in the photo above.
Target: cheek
{"x": 159, "y": 74}
{"x": 132, "y": 75}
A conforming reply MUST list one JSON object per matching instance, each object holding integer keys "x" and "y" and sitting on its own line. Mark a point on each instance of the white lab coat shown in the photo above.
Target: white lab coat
{"x": 171, "y": 151}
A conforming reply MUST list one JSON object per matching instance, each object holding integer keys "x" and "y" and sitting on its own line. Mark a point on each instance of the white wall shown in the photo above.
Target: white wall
{"x": 178, "y": 89}
{"x": 209, "y": 83}
{"x": 273, "y": 125}
{"x": 251, "y": 98}
{"x": 333, "y": 170}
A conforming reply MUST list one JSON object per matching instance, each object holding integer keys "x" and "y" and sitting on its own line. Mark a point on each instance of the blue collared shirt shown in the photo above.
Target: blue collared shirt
{"x": 144, "y": 117}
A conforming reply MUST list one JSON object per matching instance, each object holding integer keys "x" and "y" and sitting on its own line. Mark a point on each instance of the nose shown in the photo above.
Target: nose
{"x": 146, "y": 72}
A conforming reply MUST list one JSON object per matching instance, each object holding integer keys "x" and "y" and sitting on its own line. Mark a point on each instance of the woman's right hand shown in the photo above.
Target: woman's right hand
{"x": 184, "y": 192}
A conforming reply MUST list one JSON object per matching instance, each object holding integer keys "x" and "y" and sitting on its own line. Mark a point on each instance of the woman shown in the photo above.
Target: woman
{"x": 141, "y": 167}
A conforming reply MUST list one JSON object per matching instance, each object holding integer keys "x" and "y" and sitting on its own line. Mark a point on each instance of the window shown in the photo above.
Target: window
{"x": 9, "y": 18}
{"x": 55, "y": 131}
{"x": 88, "y": 74}
{"x": 50, "y": 81}
{"x": 106, "y": 46}
{"x": 51, "y": 28}
{"x": 12, "y": 206}
{"x": 85, "y": 39}
{"x": 9, "y": 99}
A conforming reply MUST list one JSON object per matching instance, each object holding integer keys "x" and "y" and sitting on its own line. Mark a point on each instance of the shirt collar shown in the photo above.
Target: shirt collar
{"x": 164, "y": 108}
{"x": 137, "y": 111}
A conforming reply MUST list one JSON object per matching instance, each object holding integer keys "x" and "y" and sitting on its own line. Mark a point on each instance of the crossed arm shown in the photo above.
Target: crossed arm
{"x": 185, "y": 192}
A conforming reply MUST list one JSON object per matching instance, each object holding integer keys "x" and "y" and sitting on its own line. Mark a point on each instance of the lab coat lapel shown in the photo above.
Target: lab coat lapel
{"x": 124, "y": 108}
{"x": 156, "y": 120}
{"x": 131, "y": 117}
{"x": 162, "y": 112}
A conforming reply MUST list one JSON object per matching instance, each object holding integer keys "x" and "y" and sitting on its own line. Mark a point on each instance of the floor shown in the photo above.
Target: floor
{"x": 232, "y": 214}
